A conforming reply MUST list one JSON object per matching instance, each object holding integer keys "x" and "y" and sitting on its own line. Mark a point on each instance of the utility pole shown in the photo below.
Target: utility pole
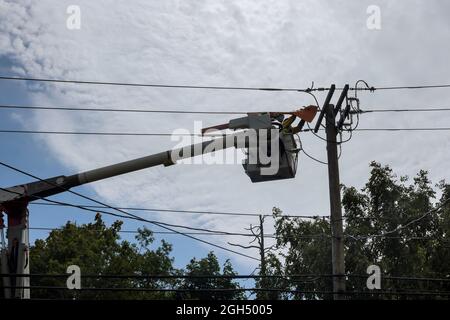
{"x": 337, "y": 239}
{"x": 337, "y": 243}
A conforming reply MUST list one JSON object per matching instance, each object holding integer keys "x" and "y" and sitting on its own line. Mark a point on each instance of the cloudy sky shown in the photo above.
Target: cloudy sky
{"x": 264, "y": 43}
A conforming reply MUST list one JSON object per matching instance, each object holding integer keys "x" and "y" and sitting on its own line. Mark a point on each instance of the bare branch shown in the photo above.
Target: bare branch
{"x": 270, "y": 248}
{"x": 244, "y": 247}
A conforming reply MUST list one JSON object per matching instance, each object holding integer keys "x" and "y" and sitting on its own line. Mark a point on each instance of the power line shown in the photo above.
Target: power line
{"x": 433, "y": 86}
{"x": 373, "y": 89}
{"x": 161, "y": 225}
{"x": 289, "y": 289}
{"x": 393, "y": 129}
{"x": 84, "y": 109}
{"x": 153, "y": 85}
{"x": 239, "y": 214}
{"x": 138, "y": 218}
{"x": 219, "y": 233}
{"x": 239, "y": 289}
{"x": 144, "y": 289}
{"x": 405, "y": 110}
{"x": 151, "y": 134}
{"x": 302, "y": 149}
{"x": 403, "y": 129}
{"x": 225, "y": 276}
{"x": 141, "y": 110}
{"x": 192, "y": 111}
{"x": 157, "y": 85}
{"x": 108, "y": 133}
{"x": 272, "y": 236}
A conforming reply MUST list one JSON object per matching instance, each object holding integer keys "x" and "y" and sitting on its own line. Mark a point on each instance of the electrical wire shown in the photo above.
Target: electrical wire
{"x": 134, "y": 134}
{"x": 303, "y": 150}
{"x": 240, "y": 289}
{"x": 272, "y": 236}
{"x": 292, "y": 291}
{"x": 372, "y": 89}
{"x": 220, "y": 233}
{"x": 191, "y": 111}
{"x": 404, "y": 110}
{"x": 395, "y": 129}
{"x": 157, "y": 85}
{"x": 368, "y": 88}
{"x": 128, "y": 110}
{"x": 291, "y": 278}
{"x": 404, "y": 129}
{"x": 313, "y": 158}
{"x": 151, "y": 134}
{"x": 238, "y": 214}
{"x": 226, "y": 276}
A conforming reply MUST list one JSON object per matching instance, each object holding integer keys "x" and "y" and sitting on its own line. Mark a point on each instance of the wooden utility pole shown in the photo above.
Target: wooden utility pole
{"x": 337, "y": 239}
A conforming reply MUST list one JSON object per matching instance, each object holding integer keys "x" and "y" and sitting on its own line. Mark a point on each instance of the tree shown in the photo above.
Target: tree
{"x": 199, "y": 270}
{"x": 388, "y": 223}
{"x": 96, "y": 249}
